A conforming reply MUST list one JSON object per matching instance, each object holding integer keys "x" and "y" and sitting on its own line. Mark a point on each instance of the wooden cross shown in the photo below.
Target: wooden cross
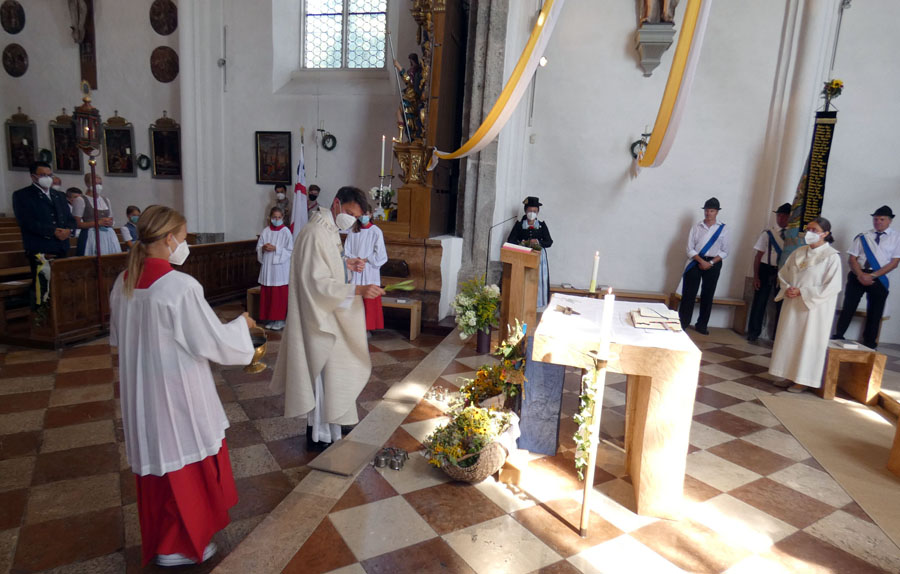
{"x": 82, "y": 14}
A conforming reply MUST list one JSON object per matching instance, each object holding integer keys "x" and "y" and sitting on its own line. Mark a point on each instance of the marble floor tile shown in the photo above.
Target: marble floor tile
{"x": 20, "y": 444}
{"x": 132, "y": 525}
{"x": 752, "y": 457}
{"x": 477, "y": 361}
{"x": 744, "y": 366}
{"x": 739, "y": 391}
{"x": 756, "y": 564}
{"x": 260, "y": 494}
{"x": 782, "y": 502}
{"x": 379, "y": 359}
{"x": 323, "y": 551}
{"x": 243, "y": 434}
{"x": 613, "y": 398}
{"x": 279, "y": 428}
{"x": 614, "y": 501}
{"x": 814, "y": 483}
{"x": 291, "y": 452}
{"x": 86, "y": 350}
{"x": 453, "y": 505}
{"x": 700, "y": 408}
{"x": 723, "y": 372}
{"x": 404, "y": 440}
{"x": 760, "y": 360}
{"x": 29, "y": 356}
{"x": 718, "y": 472}
{"x": 622, "y": 555}
{"x": 423, "y": 411}
{"x": 802, "y": 552}
{"x": 433, "y": 555}
{"x": 704, "y": 437}
{"x": 368, "y": 487}
{"x": 741, "y": 524}
{"x": 76, "y": 463}
{"x": 416, "y": 474}
{"x": 521, "y": 551}
{"x": 26, "y": 385}
{"x": 753, "y": 412}
{"x": 264, "y": 407}
{"x": 74, "y": 436}
{"x": 778, "y": 442}
{"x": 405, "y": 355}
{"x": 235, "y": 413}
{"x": 252, "y": 460}
{"x": 85, "y": 394}
{"x": 858, "y": 537}
{"x": 455, "y": 369}
{"x": 509, "y": 497}
{"x": 421, "y": 429}
{"x": 392, "y": 344}
{"x": 8, "y": 540}
{"x": 65, "y": 498}
{"x": 28, "y": 370}
{"x": 81, "y": 413}
{"x": 557, "y": 523}
{"x": 730, "y": 351}
{"x": 363, "y": 527}
{"x": 352, "y": 569}
{"x": 25, "y": 421}
{"x": 12, "y": 508}
{"x": 84, "y": 363}
{"x": 46, "y": 545}
{"x": 713, "y": 398}
{"x": 24, "y": 402}
{"x": 690, "y": 546}
{"x": 255, "y": 390}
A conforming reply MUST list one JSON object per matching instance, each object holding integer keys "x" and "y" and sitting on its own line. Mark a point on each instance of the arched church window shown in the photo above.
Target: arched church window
{"x": 349, "y": 34}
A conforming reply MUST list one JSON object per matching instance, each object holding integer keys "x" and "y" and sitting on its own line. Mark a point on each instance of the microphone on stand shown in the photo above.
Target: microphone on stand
{"x": 487, "y": 258}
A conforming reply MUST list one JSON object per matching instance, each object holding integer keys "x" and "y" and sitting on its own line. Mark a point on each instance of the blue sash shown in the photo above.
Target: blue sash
{"x": 873, "y": 262}
{"x": 706, "y": 247}
{"x": 774, "y": 244}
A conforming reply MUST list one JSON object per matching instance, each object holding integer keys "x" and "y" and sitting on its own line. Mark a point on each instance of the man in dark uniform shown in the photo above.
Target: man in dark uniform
{"x": 43, "y": 216}
{"x": 707, "y": 247}
{"x": 765, "y": 271}
{"x": 535, "y": 234}
{"x": 873, "y": 255}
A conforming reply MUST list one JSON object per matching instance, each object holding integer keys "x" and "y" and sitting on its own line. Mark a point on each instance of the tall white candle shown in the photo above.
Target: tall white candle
{"x": 594, "y": 272}
{"x": 382, "y": 156}
{"x": 606, "y": 323}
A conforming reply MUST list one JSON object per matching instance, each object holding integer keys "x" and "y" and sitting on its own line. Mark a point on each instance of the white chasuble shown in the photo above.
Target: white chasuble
{"x": 166, "y": 335}
{"x": 801, "y": 343}
{"x": 325, "y": 332}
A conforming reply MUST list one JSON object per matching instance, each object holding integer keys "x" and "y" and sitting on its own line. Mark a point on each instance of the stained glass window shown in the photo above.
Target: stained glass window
{"x": 345, "y": 34}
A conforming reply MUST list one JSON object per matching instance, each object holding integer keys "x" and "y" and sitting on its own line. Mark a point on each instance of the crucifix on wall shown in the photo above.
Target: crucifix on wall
{"x": 82, "y": 14}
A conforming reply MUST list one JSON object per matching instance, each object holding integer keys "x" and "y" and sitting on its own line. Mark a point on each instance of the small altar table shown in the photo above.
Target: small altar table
{"x": 662, "y": 368}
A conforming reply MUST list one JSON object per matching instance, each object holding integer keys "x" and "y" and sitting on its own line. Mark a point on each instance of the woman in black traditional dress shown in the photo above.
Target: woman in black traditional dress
{"x": 534, "y": 233}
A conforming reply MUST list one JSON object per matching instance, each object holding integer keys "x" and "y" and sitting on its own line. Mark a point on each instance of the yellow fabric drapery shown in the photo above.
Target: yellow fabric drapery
{"x": 678, "y": 86}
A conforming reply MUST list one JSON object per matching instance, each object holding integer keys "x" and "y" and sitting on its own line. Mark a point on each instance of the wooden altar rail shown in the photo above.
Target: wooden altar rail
{"x": 226, "y": 271}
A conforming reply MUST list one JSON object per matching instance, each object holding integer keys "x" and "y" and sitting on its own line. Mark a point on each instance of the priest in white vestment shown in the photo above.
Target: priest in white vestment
{"x": 323, "y": 363}
{"x": 173, "y": 419}
{"x": 810, "y": 282}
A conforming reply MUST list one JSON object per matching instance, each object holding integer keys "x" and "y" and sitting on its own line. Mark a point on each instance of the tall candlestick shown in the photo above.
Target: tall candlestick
{"x": 382, "y": 156}
{"x": 594, "y": 273}
{"x": 606, "y": 324}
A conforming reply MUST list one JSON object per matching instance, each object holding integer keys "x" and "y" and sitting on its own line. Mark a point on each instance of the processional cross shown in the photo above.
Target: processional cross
{"x": 81, "y": 13}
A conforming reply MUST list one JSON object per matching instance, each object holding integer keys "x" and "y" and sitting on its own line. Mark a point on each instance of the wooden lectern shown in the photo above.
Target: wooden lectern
{"x": 519, "y": 289}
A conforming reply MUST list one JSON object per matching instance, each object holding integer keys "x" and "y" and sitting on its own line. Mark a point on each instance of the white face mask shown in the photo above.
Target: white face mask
{"x": 98, "y": 188}
{"x": 181, "y": 252}
{"x": 531, "y": 216}
{"x": 279, "y": 195}
{"x": 811, "y": 237}
{"x": 344, "y": 221}
{"x": 45, "y": 181}
{"x": 56, "y": 187}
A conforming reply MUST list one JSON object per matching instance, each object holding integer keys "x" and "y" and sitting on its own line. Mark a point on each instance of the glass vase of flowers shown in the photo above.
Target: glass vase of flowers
{"x": 383, "y": 197}
{"x": 476, "y": 308}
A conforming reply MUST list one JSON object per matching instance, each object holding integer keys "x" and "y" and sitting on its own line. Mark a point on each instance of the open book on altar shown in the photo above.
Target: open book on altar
{"x": 514, "y": 247}
{"x": 646, "y": 318}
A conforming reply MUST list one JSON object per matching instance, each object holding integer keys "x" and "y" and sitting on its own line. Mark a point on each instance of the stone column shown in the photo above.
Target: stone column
{"x": 202, "y": 119}
{"x": 484, "y": 82}
{"x": 805, "y": 54}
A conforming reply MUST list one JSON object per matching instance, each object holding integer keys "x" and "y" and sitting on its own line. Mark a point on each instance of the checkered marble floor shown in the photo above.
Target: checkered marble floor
{"x": 67, "y": 496}
{"x": 756, "y": 500}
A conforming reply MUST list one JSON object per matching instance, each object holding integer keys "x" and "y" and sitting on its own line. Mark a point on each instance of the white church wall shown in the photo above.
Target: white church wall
{"x": 592, "y": 101}
{"x": 258, "y": 99}
{"x": 125, "y": 40}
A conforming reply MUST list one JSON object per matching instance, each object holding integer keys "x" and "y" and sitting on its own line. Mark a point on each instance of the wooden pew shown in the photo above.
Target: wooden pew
{"x": 739, "y": 320}
{"x": 226, "y": 271}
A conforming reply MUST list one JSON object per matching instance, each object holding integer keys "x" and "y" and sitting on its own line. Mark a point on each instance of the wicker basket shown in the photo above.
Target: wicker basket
{"x": 490, "y": 459}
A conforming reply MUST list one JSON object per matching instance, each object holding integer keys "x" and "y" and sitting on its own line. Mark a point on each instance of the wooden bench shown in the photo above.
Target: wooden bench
{"x": 415, "y": 313}
{"x": 858, "y": 371}
{"x": 738, "y": 322}
{"x": 11, "y": 289}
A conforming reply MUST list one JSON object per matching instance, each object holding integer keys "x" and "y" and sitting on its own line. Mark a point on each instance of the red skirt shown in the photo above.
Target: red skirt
{"x": 374, "y": 314}
{"x": 273, "y": 303}
{"x": 180, "y": 511}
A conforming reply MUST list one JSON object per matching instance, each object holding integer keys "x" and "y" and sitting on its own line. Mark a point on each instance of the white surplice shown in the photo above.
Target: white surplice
{"x": 801, "y": 343}
{"x": 275, "y": 267}
{"x": 367, "y": 244}
{"x": 166, "y": 335}
{"x": 325, "y": 334}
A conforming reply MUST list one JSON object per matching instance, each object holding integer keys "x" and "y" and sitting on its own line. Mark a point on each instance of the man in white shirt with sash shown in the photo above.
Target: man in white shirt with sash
{"x": 766, "y": 263}
{"x": 874, "y": 254}
{"x": 707, "y": 247}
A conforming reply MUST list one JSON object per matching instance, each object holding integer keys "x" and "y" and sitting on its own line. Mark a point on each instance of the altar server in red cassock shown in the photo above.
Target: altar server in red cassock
{"x": 173, "y": 419}
{"x": 274, "y": 248}
{"x": 366, "y": 253}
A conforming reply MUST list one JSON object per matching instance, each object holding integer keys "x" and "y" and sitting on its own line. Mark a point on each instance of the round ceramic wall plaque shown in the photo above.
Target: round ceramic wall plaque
{"x": 164, "y": 64}
{"x": 163, "y": 17}
{"x": 15, "y": 60}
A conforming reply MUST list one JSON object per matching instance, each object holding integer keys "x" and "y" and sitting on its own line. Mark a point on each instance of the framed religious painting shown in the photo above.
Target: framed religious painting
{"x": 273, "y": 157}
{"x": 165, "y": 148}
{"x": 21, "y": 142}
{"x": 66, "y": 155}
{"x": 118, "y": 147}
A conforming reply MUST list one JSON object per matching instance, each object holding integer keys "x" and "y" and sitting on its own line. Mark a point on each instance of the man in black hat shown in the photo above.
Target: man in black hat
{"x": 707, "y": 247}
{"x": 535, "y": 234}
{"x": 766, "y": 263}
{"x": 874, "y": 254}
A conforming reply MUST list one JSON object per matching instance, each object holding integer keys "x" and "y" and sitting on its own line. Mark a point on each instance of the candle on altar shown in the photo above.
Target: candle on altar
{"x": 606, "y": 323}
{"x": 594, "y": 272}
{"x": 382, "y": 156}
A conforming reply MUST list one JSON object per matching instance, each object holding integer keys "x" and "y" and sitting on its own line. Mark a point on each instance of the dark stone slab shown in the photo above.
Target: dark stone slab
{"x": 541, "y": 405}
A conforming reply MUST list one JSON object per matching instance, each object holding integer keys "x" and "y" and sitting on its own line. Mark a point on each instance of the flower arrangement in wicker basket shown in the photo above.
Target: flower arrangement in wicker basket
{"x": 466, "y": 448}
